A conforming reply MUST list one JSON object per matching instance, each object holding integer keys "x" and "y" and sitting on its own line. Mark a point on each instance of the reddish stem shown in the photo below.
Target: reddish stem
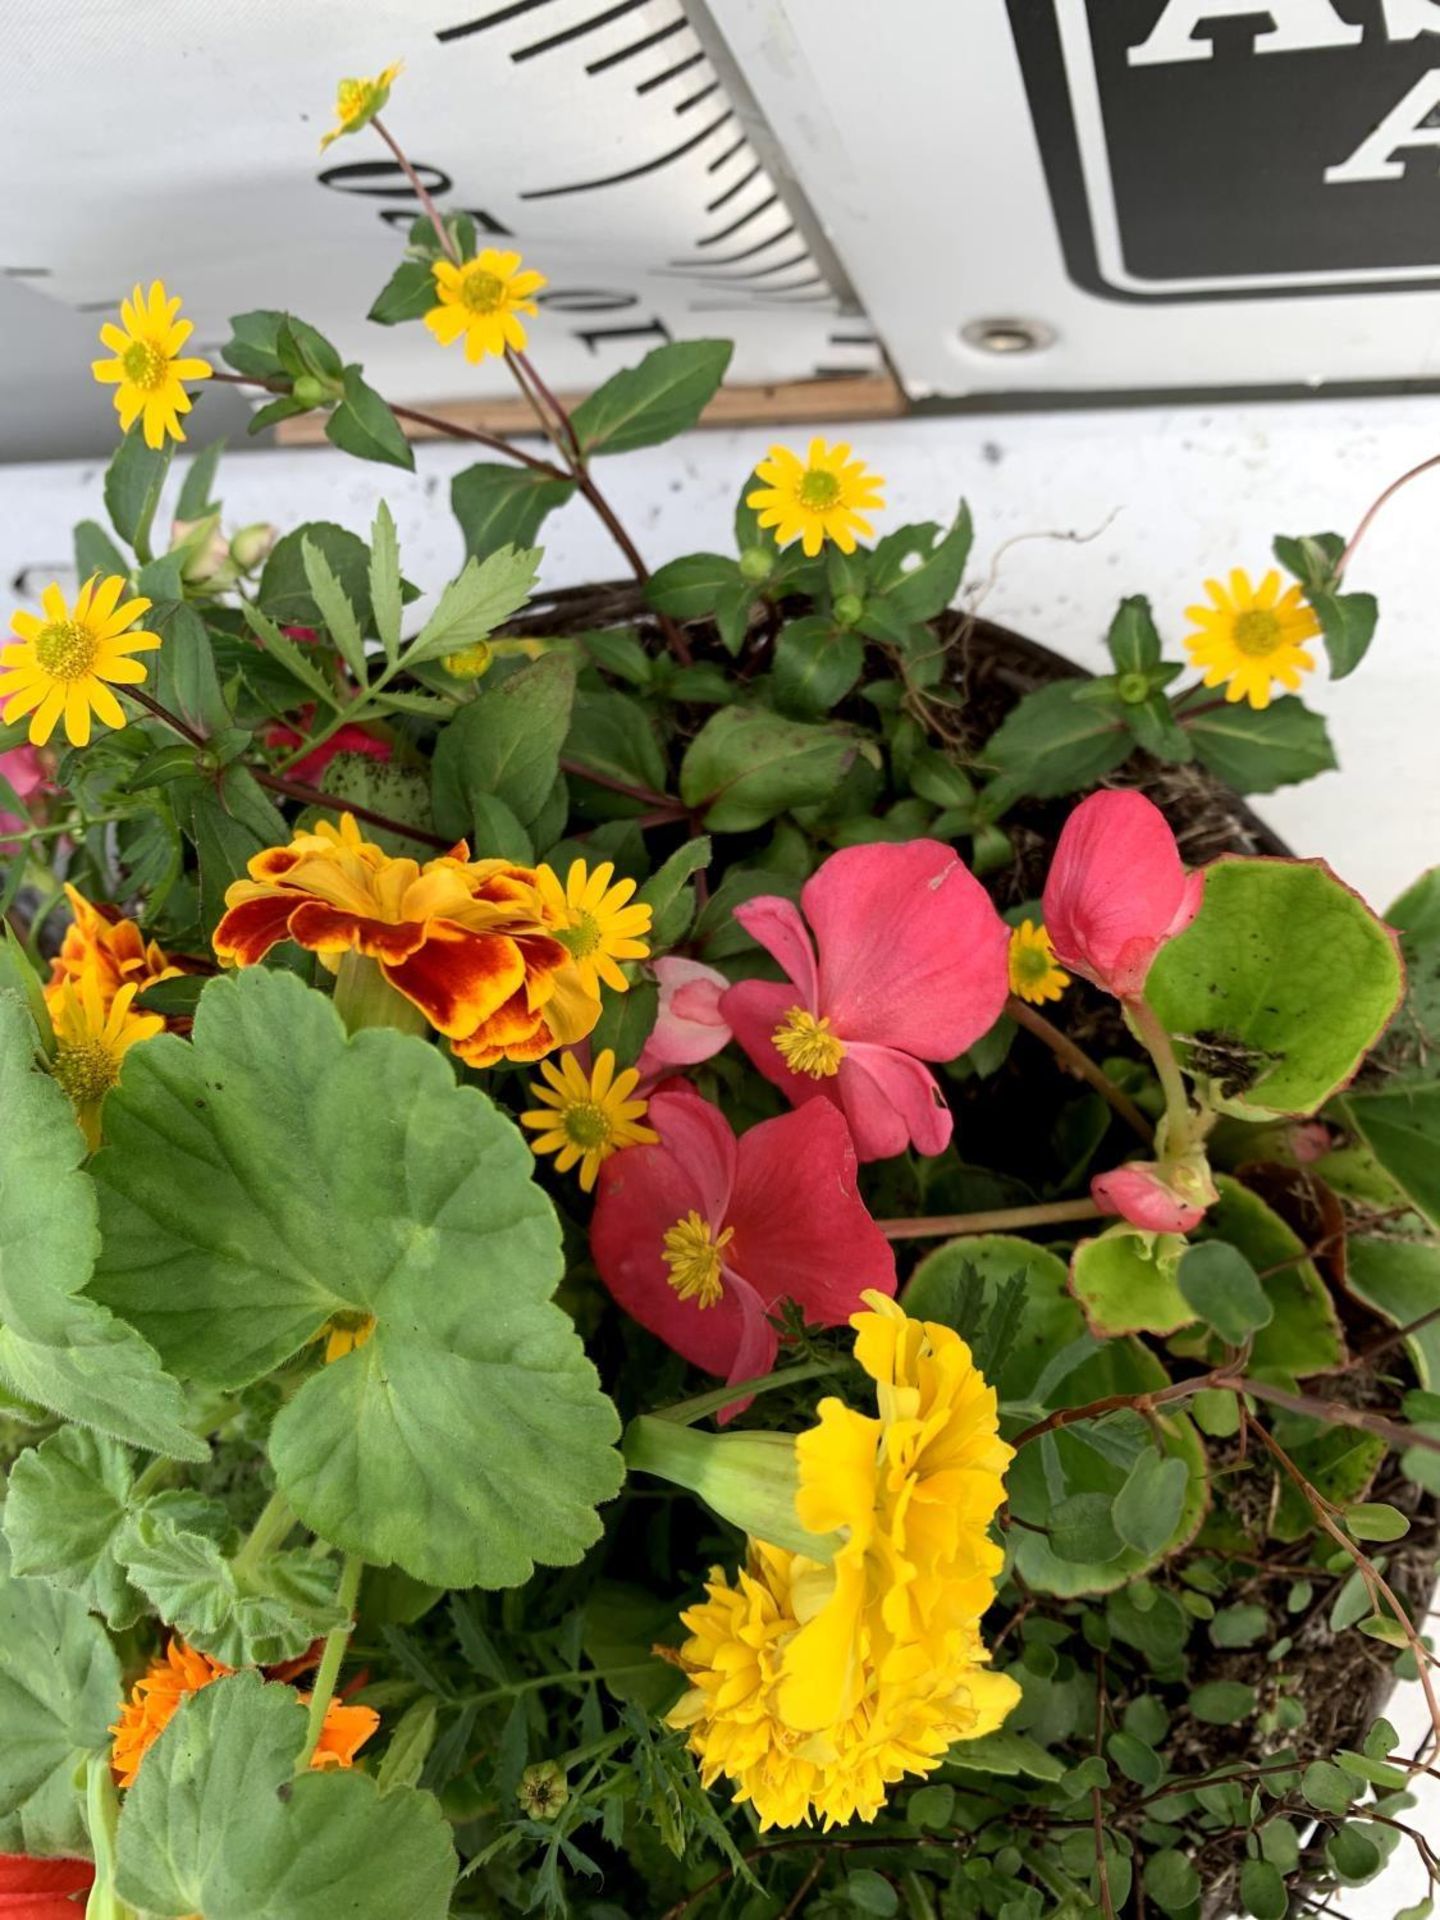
{"x": 1370, "y": 512}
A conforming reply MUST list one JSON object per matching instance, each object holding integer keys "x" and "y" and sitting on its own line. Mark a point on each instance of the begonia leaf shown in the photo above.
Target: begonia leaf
{"x": 59, "y": 1349}
{"x": 1278, "y": 987}
{"x": 272, "y": 1174}
{"x": 217, "y": 1824}
{"x": 1125, "y": 1279}
{"x": 1400, "y": 1123}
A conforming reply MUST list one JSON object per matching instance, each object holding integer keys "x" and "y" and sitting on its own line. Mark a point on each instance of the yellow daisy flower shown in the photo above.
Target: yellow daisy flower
{"x": 586, "y": 1120}
{"x": 1252, "y": 638}
{"x": 92, "y": 1037}
{"x": 358, "y": 101}
{"x": 1034, "y": 974}
{"x": 481, "y": 299}
{"x": 67, "y": 662}
{"x": 595, "y": 923}
{"x": 146, "y": 370}
{"x": 825, "y": 499}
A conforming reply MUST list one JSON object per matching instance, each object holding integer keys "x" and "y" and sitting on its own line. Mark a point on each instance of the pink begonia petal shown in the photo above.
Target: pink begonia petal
{"x": 756, "y": 1348}
{"x": 1138, "y": 1194}
{"x": 1117, "y": 890}
{"x": 892, "y": 1102}
{"x": 775, "y": 922}
{"x": 23, "y": 768}
{"x": 689, "y": 1026}
{"x": 754, "y": 1009}
{"x": 802, "y": 1232}
{"x": 912, "y": 953}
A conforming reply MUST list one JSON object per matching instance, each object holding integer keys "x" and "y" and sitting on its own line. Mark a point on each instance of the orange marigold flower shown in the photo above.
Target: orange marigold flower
{"x": 173, "y": 1676}
{"x": 471, "y": 943}
{"x": 100, "y": 942}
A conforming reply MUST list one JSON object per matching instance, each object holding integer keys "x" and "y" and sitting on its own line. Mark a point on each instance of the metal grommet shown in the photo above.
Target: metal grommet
{"x": 1007, "y": 335}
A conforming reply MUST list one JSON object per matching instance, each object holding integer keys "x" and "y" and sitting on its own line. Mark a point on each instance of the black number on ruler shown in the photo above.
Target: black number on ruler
{"x": 385, "y": 180}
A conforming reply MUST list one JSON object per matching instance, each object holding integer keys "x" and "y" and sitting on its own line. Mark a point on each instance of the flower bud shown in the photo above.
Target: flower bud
{"x": 848, "y": 609}
{"x": 251, "y": 545}
{"x": 469, "y": 663}
{"x": 310, "y": 391}
{"x": 750, "y": 1479}
{"x": 542, "y": 1791}
{"x": 203, "y": 550}
{"x": 1133, "y": 688}
{"x": 757, "y": 564}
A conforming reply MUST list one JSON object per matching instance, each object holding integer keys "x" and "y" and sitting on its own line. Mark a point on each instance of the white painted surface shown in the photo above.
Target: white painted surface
{"x": 1072, "y": 512}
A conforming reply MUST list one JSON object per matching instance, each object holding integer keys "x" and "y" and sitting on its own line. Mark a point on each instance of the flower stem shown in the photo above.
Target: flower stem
{"x": 686, "y": 1412}
{"x": 1370, "y": 512}
{"x": 271, "y": 1530}
{"x": 365, "y": 998}
{"x": 1051, "y": 1213}
{"x": 1181, "y": 1129}
{"x": 102, "y": 1815}
{"x": 335, "y": 1644}
{"x": 1078, "y": 1062}
{"x": 421, "y": 191}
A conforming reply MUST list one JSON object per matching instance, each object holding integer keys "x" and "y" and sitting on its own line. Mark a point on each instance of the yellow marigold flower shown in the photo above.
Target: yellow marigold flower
{"x": 173, "y": 1676}
{"x": 815, "y": 1683}
{"x": 358, "y": 101}
{"x": 593, "y": 920}
{"x": 825, "y": 499}
{"x": 344, "y": 1333}
{"x": 481, "y": 299}
{"x": 586, "y": 1119}
{"x": 1035, "y": 974}
{"x": 102, "y": 942}
{"x": 93, "y": 1034}
{"x": 67, "y": 662}
{"x": 147, "y": 370}
{"x": 1252, "y": 638}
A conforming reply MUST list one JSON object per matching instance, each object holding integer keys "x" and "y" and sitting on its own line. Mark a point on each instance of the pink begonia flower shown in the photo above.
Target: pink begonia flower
{"x": 701, "y": 1236}
{"x": 1117, "y": 891}
{"x": 25, "y": 771}
{"x": 909, "y": 963}
{"x": 689, "y": 1026}
{"x": 1162, "y": 1197}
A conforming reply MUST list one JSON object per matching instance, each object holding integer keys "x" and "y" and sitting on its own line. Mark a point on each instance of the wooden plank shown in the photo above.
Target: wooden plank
{"x": 865, "y": 397}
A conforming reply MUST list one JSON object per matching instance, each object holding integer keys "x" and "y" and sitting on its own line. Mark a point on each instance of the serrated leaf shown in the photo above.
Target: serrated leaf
{"x": 386, "y": 598}
{"x": 1256, "y": 751}
{"x": 59, "y": 1349}
{"x": 663, "y": 396}
{"x": 470, "y": 608}
{"x": 1277, "y": 988}
{"x": 284, "y": 591}
{"x": 364, "y": 425}
{"x": 186, "y": 679}
{"x": 65, "y": 1502}
{"x": 217, "y": 1823}
{"x": 746, "y": 765}
{"x": 468, "y": 1438}
{"x": 499, "y": 506}
{"x": 335, "y": 609}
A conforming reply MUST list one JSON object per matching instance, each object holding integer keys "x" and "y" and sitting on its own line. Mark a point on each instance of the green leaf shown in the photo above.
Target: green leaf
{"x": 668, "y": 895}
{"x": 1239, "y": 1626}
{"x": 1149, "y": 1506}
{"x": 663, "y": 396}
{"x": 65, "y": 1502}
{"x": 59, "y": 1690}
{"x": 468, "y": 1438}
{"x": 238, "y": 1615}
{"x": 1376, "y": 1520}
{"x": 503, "y": 506}
{"x": 1347, "y": 621}
{"x": 197, "y": 489}
{"x": 613, "y": 736}
{"x": 1125, "y": 1280}
{"x": 335, "y": 610}
{"x": 217, "y": 1823}
{"x": 626, "y": 1022}
{"x": 1303, "y": 1334}
{"x": 134, "y": 481}
{"x": 252, "y": 347}
{"x": 1221, "y": 1285}
{"x": 386, "y": 595}
{"x": 409, "y": 1746}
{"x": 1153, "y": 727}
{"x": 1401, "y": 1280}
{"x": 927, "y": 589}
{"x": 1354, "y": 1853}
{"x": 1222, "y": 1703}
{"x": 284, "y": 592}
{"x": 297, "y": 661}
{"x": 867, "y": 1891}
{"x": 1277, "y": 988}
{"x": 303, "y": 349}
{"x": 1262, "y": 1891}
{"x": 1133, "y": 642}
{"x": 1052, "y": 742}
{"x": 484, "y": 596}
{"x": 59, "y": 1349}
{"x": 96, "y": 552}
{"x": 364, "y": 425}
{"x": 1083, "y": 1528}
{"x": 746, "y": 765}
{"x": 690, "y": 588}
{"x": 1170, "y": 1880}
{"x": 960, "y": 1285}
{"x": 1136, "y": 1760}
{"x": 408, "y": 294}
{"x": 1327, "y": 1789}
{"x": 505, "y": 744}
{"x": 816, "y": 665}
{"x": 1400, "y": 1123}
{"x": 1258, "y": 751}
{"x": 1007, "y": 1754}
{"x": 1311, "y": 557}
{"x": 186, "y": 679}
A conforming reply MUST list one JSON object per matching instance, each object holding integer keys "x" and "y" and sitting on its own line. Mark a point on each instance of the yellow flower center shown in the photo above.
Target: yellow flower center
{"x": 807, "y": 1044}
{"x": 1031, "y": 964}
{"x": 482, "y": 292}
{"x": 819, "y": 489}
{"x": 86, "y": 1069}
{"x": 468, "y": 663}
{"x": 144, "y": 365}
{"x": 66, "y": 649}
{"x": 582, "y": 936}
{"x": 588, "y": 1125}
{"x": 693, "y": 1257}
{"x": 1258, "y": 633}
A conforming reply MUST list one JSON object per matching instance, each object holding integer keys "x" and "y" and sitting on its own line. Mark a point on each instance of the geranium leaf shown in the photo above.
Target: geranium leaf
{"x": 216, "y": 1823}
{"x": 59, "y": 1691}
{"x": 1278, "y": 987}
{"x": 65, "y": 1501}
{"x": 57, "y": 1348}
{"x": 468, "y": 1438}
